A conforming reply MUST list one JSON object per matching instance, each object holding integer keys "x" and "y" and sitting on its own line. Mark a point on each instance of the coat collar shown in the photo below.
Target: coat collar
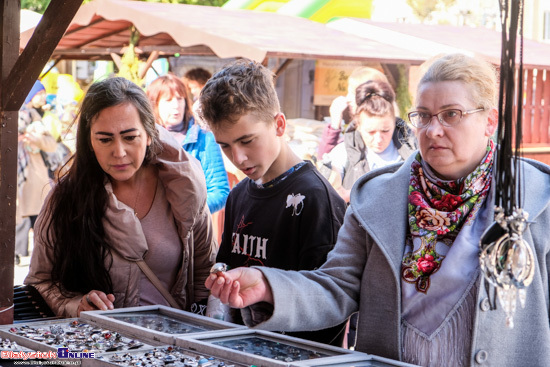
{"x": 192, "y": 134}
{"x": 387, "y": 228}
{"x": 185, "y": 187}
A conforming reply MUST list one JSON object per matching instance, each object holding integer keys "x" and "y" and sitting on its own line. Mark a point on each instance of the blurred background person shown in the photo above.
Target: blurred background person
{"x": 378, "y": 137}
{"x": 196, "y": 78}
{"x": 342, "y": 109}
{"x": 33, "y": 178}
{"x": 172, "y": 107}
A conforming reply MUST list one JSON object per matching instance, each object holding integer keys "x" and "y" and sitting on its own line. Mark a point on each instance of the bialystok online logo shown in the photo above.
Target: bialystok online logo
{"x": 62, "y": 353}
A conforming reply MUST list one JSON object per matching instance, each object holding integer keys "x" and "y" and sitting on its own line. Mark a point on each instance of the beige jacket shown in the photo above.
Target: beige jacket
{"x": 33, "y": 191}
{"x": 185, "y": 187}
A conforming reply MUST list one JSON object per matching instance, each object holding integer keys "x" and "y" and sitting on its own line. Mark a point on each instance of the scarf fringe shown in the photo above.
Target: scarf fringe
{"x": 450, "y": 345}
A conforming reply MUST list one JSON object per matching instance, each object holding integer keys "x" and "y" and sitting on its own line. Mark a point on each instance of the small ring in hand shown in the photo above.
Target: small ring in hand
{"x": 88, "y": 300}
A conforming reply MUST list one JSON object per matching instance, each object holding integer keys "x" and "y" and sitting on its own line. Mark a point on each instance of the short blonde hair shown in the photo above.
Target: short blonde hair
{"x": 364, "y": 74}
{"x": 480, "y": 75}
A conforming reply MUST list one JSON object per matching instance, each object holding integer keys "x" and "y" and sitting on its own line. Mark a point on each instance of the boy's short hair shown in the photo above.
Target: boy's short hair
{"x": 241, "y": 87}
{"x": 198, "y": 75}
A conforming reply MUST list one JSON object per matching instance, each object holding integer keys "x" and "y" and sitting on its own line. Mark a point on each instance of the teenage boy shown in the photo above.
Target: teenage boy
{"x": 284, "y": 214}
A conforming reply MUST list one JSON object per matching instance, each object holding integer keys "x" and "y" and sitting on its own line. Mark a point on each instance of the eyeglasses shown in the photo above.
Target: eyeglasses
{"x": 446, "y": 118}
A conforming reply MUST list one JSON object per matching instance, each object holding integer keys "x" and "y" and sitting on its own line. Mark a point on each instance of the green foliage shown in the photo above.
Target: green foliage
{"x": 129, "y": 68}
{"x": 40, "y": 6}
{"x": 402, "y": 95}
{"x": 423, "y": 8}
{"x": 191, "y": 2}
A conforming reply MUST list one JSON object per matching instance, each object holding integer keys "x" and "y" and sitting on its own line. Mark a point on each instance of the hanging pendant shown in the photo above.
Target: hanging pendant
{"x": 507, "y": 260}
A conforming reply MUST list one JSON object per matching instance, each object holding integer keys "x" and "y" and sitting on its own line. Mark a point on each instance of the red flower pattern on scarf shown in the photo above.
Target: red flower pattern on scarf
{"x": 437, "y": 211}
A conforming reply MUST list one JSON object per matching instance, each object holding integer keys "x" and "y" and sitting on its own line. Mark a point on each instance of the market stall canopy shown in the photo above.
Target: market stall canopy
{"x": 102, "y": 27}
{"x": 28, "y": 19}
{"x": 437, "y": 39}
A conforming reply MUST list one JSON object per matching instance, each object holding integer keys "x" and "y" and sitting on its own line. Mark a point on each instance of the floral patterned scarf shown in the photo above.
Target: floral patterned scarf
{"x": 437, "y": 211}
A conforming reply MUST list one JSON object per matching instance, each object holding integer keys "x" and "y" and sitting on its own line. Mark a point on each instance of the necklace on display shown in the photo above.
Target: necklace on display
{"x": 140, "y": 182}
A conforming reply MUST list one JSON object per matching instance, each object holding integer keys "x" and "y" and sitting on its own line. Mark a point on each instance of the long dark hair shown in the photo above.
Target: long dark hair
{"x": 75, "y": 210}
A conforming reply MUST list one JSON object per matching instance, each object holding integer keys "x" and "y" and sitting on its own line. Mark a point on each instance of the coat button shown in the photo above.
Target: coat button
{"x": 485, "y": 305}
{"x": 481, "y": 356}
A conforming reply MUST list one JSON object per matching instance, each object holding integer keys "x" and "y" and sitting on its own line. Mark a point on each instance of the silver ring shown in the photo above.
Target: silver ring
{"x": 88, "y": 300}
{"x": 218, "y": 267}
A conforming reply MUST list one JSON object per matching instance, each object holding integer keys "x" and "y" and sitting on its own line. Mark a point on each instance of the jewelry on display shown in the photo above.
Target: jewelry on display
{"x": 506, "y": 259}
{"x": 77, "y": 336}
{"x": 159, "y": 323}
{"x": 274, "y": 349}
{"x": 161, "y": 356}
{"x": 140, "y": 182}
{"x": 218, "y": 268}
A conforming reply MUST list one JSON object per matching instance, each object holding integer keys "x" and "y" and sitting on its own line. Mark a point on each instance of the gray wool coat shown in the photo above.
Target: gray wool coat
{"x": 363, "y": 273}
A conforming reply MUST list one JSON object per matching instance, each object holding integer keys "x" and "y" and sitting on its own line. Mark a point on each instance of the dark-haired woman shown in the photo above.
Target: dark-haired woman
{"x": 131, "y": 194}
{"x": 378, "y": 139}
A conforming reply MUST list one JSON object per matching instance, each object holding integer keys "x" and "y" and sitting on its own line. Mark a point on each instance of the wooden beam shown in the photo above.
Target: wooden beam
{"x": 117, "y": 59}
{"x": 9, "y": 49}
{"x": 103, "y": 36}
{"x": 282, "y": 67}
{"x": 83, "y": 27}
{"x": 36, "y": 54}
{"x": 17, "y": 75}
{"x": 152, "y": 57}
{"x": 55, "y": 62}
{"x": 105, "y": 52}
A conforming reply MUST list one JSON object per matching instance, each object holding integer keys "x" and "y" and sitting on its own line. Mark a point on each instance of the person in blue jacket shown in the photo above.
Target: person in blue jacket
{"x": 173, "y": 110}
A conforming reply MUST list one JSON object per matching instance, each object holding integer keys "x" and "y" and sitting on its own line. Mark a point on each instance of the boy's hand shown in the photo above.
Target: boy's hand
{"x": 240, "y": 287}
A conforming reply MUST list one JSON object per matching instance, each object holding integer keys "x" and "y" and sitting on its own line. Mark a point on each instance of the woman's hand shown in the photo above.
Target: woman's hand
{"x": 240, "y": 287}
{"x": 96, "y": 300}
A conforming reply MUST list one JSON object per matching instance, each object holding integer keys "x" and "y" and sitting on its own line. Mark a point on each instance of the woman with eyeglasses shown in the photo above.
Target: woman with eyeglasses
{"x": 407, "y": 256}
{"x": 378, "y": 139}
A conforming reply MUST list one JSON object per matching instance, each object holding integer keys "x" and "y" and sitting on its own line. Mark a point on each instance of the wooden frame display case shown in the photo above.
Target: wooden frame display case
{"x": 259, "y": 348}
{"x": 74, "y": 334}
{"x": 159, "y": 323}
{"x": 356, "y": 359}
{"x": 8, "y": 344}
{"x": 160, "y": 356}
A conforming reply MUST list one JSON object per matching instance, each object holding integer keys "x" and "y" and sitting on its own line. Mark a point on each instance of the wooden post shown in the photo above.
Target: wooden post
{"x": 17, "y": 76}
{"x": 9, "y": 30}
{"x": 528, "y": 108}
{"x": 545, "y": 134}
{"x": 537, "y": 105}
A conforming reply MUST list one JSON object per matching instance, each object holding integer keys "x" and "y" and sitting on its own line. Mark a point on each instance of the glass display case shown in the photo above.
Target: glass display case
{"x": 263, "y": 347}
{"x": 74, "y": 334}
{"x": 163, "y": 336}
{"x": 160, "y": 356}
{"x": 159, "y": 323}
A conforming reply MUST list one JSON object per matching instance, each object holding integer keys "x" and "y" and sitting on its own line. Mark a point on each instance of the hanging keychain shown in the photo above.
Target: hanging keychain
{"x": 506, "y": 259}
